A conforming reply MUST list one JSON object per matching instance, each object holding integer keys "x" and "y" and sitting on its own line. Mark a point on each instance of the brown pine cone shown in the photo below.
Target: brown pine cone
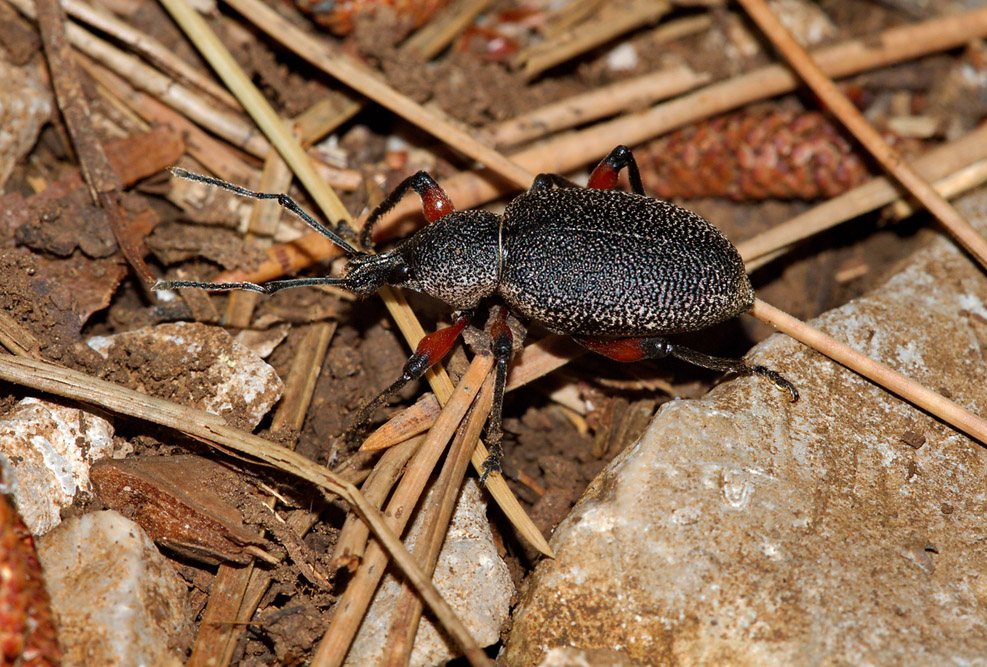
{"x": 755, "y": 155}
{"x": 27, "y": 628}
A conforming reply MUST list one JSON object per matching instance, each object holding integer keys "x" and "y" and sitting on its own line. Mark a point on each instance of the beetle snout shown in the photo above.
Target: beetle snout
{"x": 365, "y": 274}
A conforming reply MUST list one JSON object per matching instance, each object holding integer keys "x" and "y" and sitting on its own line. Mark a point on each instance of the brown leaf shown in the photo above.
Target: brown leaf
{"x": 175, "y": 499}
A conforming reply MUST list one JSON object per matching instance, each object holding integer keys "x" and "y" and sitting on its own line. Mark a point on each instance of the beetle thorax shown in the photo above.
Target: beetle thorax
{"x": 455, "y": 258}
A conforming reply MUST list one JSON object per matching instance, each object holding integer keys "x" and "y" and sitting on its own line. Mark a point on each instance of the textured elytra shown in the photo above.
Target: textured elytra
{"x": 613, "y": 263}
{"x": 584, "y": 262}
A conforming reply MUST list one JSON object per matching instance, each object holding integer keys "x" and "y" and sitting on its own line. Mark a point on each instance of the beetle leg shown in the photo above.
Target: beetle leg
{"x": 547, "y": 181}
{"x": 502, "y": 346}
{"x": 604, "y": 177}
{"x": 435, "y": 203}
{"x": 431, "y": 349}
{"x": 636, "y": 349}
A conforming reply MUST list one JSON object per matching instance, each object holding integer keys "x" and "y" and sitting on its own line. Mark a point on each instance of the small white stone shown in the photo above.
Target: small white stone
{"x": 25, "y": 106}
{"x": 46, "y": 450}
{"x": 238, "y": 381}
{"x": 622, "y": 58}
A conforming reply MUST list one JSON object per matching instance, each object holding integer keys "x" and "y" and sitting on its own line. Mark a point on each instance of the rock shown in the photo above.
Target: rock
{"x": 118, "y": 601}
{"x": 46, "y": 450}
{"x": 194, "y": 364}
{"x": 471, "y": 577}
{"x": 738, "y": 39}
{"x": 25, "y": 106}
{"x": 742, "y": 529}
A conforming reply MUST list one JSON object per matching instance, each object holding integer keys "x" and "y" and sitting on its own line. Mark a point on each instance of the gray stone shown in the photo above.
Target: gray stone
{"x": 117, "y": 600}
{"x": 743, "y": 529}
{"x": 25, "y": 106}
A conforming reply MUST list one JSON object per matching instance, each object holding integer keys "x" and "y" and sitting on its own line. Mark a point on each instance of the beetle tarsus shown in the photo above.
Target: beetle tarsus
{"x": 491, "y": 466}
{"x": 778, "y": 381}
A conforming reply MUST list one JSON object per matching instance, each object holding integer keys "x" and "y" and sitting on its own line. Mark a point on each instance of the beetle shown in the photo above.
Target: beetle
{"x": 615, "y": 270}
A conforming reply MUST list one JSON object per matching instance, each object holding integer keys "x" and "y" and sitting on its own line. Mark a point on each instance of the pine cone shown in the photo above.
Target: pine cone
{"x": 27, "y": 628}
{"x": 759, "y": 155}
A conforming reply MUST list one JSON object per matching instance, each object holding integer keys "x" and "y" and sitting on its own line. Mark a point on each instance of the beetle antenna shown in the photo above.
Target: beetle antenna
{"x": 267, "y": 288}
{"x": 284, "y": 200}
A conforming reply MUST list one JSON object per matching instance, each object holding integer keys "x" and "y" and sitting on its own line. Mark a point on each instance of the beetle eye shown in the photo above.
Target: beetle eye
{"x": 399, "y": 274}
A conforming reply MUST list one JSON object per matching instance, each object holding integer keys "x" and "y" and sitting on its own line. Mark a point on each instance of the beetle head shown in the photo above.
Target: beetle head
{"x": 365, "y": 273}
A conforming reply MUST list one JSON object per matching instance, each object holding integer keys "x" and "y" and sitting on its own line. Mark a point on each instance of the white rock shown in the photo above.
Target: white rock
{"x": 117, "y": 600}
{"x": 471, "y": 577}
{"x": 25, "y": 106}
{"x": 738, "y": 40}
{"x": 200, "y": 366}
{"x": 46, "y": 450}
{"x": 807, "y": 22}
{"x": 622, "y": 57}
{"x": 745, "y": 530}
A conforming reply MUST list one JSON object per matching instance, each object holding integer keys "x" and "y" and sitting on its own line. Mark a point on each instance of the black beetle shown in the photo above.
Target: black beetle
{"x": 616, "y": 270}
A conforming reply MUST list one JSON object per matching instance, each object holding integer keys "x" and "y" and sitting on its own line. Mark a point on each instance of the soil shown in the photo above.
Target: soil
{"x": 64, "y": 281}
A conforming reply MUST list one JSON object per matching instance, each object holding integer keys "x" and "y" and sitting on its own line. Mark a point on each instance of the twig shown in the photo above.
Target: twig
{"x": 613, "y": 20}
{"x": 352, "y": 606}
{"x": 300, "y": 383}
{"x": 325, "y": 116}
{"x": 218, "y": 631}
{"x": 352, "y": 541}
{"x": 214, "y": 155}
{"x": 226, "y": 124}
{"x": 409, "y": 422}
{"x": 152, "y": 49}
{"x": 440, "y": 31}
{"x": 599, "y": 103}
{"x": 877, "y": 192}
{"x": 408, "y": 608}
{"x": 850, "y": 116}
{"x": 472, "y": 188}
{"x": 104, "y": 183}
{"x": 569, "y": 15}
{"x": 537, "y": 359}
{"x": 212, "y": 429}
{"x": 18, "y": 340}
{"x": 950, "y": 186}
{"x": 896, "y": 383}
{"x": 359, "y": 78}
